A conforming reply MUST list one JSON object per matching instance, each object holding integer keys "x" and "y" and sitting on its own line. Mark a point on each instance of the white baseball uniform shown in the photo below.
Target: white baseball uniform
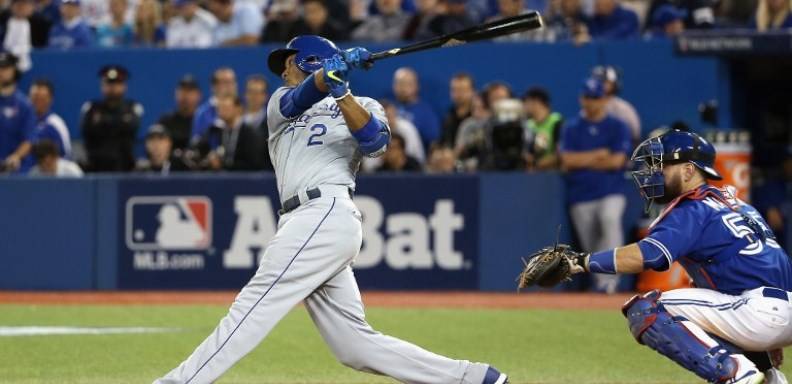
{"x": 309, "y": 260}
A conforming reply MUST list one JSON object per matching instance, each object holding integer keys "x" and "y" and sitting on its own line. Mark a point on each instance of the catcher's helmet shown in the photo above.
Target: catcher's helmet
{"x": 672, "y": 147}
{"x": 310, "y": 50}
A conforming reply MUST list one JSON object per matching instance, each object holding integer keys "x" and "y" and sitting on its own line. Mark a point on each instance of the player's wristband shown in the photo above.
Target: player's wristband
{"x": 603, "y": 262}
{"x": 348, "y": 93}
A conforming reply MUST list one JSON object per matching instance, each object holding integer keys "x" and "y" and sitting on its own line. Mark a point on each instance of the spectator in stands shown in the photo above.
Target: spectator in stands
{"x": 192, "y": 27}
{"x": 611, "y": 21}
{"x": 594, "y": 149}
{"x": 567, "y": 22}
{"x": 474, "y": 138}
{"x": 471, "y": 138}
{"x": 462, "y": 90}
{"x": 441, "y": 160}
{"x": 17, "y": 122}
{"x": 48, "y": 10}
{"x": 96, "y": 12}
{"x": 618, "y": 107}
{"x": 513, "y": 8}
{"x": 110, "y": 125}
{"x": 772, "y": 15}
{"x": 545, "y": 126}
{"x": 413, "y": 147}
{"x": 223, "y": 84}
{"x": 160, "y": 156}
{"x": 417, "y": 27}
{"x": 495, "y": 91}
{"x": 668, "y": 21}
{"x": 315, "y": 22}
{"x": 388, "y": 25}
{"x": 149, "y": 29}
{"x": 117, "y": 32}
{"x": 700, "y": 13}
{"x": 239, "y": 22}
{"x": 50, "y": 163}
{"x": 452, "y": 16}
{"x": 72, "y": 31}
{"x": 256, "y": 97}
{"x": 735, "y": 13}
{"x": 21, "y": 30}
{"x": 178, "y": 123}
{"x": 418, "y": 112}
{"x": 282, "y": 19}
{"x": 48, "y": 124}
{"x": 230, "y": 144}
{"x": 395, "y": 159}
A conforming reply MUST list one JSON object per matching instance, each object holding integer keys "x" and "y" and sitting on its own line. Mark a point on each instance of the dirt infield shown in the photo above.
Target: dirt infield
{"x": 371, "y": 299}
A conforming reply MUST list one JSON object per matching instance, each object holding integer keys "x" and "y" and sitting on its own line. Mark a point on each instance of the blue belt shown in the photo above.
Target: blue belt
{"x": 775, "y": 293}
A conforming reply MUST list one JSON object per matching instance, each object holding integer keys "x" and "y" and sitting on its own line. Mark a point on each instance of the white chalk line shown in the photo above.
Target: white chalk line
{"x": 6, "y": 331}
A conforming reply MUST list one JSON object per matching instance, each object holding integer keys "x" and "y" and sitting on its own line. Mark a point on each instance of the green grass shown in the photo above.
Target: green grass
{"x": 536, "y": 346}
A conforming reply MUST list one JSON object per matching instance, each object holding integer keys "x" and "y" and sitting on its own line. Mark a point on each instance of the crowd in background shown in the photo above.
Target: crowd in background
{"x": 74, "y": 24}
{"x": 489, "y": 127}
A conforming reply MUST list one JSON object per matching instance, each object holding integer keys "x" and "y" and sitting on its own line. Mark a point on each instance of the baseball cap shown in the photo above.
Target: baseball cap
{"x": 114, "y": 73}
{"x": 179, "y": 3}
{"x": 157, "y": 130}
{"x": 188, "y": 81}
{"x": 7, "y": 59}
{"x": 73, "y": 2}
{"x": 667, "y": 14}
{"x": 592, "y": 88}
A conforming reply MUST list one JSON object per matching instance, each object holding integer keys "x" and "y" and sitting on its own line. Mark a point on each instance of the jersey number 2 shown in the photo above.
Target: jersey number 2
{"x": 321, "y": 132}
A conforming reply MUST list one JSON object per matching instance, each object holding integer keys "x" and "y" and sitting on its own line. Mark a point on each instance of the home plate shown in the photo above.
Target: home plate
{"x": 39, "y": 331}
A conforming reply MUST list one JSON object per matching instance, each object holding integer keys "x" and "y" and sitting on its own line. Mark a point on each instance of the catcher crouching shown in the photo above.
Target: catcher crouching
{"x": 731, "y": 328}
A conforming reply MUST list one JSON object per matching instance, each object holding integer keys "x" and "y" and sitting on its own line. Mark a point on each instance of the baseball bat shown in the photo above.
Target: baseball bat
{"x": 529, "y": 21}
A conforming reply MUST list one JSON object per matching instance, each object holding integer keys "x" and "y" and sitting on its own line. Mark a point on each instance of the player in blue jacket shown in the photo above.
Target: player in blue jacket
{"x": 740, "y": 307}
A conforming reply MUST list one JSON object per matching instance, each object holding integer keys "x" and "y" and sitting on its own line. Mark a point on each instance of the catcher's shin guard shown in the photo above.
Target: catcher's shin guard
{"x": 678, "y": 339}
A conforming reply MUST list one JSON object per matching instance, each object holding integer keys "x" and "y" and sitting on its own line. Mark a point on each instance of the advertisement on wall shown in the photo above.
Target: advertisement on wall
{"x": 179, "y": 234}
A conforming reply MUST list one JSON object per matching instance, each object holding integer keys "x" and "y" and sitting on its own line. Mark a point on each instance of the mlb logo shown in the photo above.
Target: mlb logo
{"x": 168, "y": 223}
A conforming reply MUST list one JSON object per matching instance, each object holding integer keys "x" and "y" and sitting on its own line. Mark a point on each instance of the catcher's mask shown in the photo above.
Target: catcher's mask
{"x": 670, "y": 148}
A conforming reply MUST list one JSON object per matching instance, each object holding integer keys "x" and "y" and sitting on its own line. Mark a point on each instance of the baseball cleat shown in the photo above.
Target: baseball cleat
{"x": 494, "y": 376}
{"x": 774, "y": 376}
{"x": 746, "y": 372}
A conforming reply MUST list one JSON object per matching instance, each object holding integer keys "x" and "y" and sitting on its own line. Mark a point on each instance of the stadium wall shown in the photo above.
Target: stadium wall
{"x": 459, "y": 232}
{"x": 662, "y": 86}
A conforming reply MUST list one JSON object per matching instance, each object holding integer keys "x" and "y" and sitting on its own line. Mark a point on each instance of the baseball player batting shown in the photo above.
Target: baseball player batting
{"x": 725, "y": 329}
{"x": 318, "y": 133}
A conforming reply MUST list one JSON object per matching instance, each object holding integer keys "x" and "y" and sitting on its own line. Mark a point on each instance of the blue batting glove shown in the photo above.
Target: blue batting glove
{"x": 358, "y": 57}
{"x": 335, "y": 75}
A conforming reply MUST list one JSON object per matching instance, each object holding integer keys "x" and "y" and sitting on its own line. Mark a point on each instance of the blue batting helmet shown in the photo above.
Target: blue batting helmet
{"x": 670, "y": 148}
{"x": 310, "y": 50}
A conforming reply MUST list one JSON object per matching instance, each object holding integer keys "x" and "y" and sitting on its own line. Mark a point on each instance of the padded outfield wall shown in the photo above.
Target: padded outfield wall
{"x": 462, "y": 232}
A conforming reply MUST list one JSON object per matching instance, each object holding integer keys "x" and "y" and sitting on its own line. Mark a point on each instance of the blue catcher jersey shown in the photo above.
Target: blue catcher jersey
{"x": 723, "y": 243}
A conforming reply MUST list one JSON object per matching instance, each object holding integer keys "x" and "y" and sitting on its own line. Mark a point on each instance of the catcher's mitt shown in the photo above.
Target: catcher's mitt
{"x": 550, "y": 266}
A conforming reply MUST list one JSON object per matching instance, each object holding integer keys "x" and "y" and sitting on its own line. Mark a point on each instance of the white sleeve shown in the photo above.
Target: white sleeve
{"x": 274, "y": 116}
{"x": 376, "y": 110}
